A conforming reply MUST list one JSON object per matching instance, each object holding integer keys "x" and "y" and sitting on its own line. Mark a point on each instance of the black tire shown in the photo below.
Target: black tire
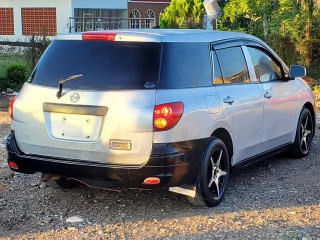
{"x": 304, "y": 134}
{"x": 213, "y": 178}
{"x": 62, "y": 183}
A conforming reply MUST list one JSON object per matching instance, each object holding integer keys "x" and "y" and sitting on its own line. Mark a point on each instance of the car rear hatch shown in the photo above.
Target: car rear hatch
{"x": 105, "y": 111}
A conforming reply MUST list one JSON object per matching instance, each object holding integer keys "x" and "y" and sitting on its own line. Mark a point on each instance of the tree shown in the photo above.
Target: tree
{"x": 309, "y": 7}
{"x": 253, "y": 10}
{"x": 183, "y": 14}
{"x": 289, "y": 26}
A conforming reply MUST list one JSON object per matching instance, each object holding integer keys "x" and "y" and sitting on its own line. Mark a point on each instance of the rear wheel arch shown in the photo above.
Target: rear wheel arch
{"x": 225, "y": 137}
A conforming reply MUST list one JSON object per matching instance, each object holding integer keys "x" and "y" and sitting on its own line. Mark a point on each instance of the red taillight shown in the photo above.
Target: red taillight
{"x": 151, "y": 181}
{"x": 13, "y": 165}
{"x": 99, "y": 36}
{"x": 10, "y": 109}
{"x": 166, "y": 116}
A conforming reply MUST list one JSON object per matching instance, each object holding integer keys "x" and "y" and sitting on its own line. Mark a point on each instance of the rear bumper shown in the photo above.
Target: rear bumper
{"x": 175, "y": 164}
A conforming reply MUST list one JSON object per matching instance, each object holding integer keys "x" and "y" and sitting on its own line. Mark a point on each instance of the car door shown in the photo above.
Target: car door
{"x": 279, "y": 99}
{"x": 241, "y": 101}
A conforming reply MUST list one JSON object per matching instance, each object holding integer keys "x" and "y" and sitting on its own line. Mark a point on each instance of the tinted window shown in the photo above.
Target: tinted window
{"x": 217, "y": 75}
{"x": 185, "y": 65}
{"x": 104, "y": 65}
{"x": 265, "y": 67}
{"x": 233, "y": 65}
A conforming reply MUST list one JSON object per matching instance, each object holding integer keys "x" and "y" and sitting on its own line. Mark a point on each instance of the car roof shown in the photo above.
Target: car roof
{"x": 165, "y": 35}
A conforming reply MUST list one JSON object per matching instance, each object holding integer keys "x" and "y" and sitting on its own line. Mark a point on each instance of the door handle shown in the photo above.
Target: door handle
{"x": 229, "y": 100}
{"x": 268, "y": 95}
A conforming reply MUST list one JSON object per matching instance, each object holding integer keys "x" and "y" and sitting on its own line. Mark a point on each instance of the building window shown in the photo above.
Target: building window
{"x": 150, "y": 23}
{"x": 160, "y": 15}
{"x": 135, "y": 23}
{"x": 6, "y": 19}
{"x": 87, "y": 19}
{"x": 39, "y": 21}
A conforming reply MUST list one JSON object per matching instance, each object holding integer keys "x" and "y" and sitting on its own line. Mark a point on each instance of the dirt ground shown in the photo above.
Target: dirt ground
{"x": 277, "y": 199}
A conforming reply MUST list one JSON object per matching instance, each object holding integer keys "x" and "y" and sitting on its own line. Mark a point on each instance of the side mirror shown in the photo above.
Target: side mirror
{"x": 297, "y": 71}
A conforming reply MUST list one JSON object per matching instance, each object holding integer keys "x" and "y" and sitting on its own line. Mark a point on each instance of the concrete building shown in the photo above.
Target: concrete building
{"x": 20, "y": 18}
{"x": 149, "y": 9}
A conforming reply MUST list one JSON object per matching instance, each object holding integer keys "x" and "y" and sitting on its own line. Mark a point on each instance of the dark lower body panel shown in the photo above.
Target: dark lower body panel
{"x": 175, "y": 164}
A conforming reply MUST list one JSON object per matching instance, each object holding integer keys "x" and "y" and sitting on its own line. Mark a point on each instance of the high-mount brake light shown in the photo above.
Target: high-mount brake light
{"x": 98, "y": 36}
{"x": 10, "y": 109}
{"x": 166, "y": 116}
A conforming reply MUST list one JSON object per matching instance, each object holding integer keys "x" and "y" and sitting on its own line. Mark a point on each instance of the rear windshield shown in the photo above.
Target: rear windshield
{"x": 104, "y": 65}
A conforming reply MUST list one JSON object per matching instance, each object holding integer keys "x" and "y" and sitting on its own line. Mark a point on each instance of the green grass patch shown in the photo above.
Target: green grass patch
{"x": 6, "y": 60}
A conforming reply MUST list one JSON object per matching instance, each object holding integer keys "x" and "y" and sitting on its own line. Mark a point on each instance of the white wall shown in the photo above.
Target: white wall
{"x": 102, "y": 4}
{"x": 63, "y": 11}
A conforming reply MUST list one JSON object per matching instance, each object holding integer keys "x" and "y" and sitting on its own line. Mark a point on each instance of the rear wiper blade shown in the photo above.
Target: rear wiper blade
{"x": 62, "y": 81}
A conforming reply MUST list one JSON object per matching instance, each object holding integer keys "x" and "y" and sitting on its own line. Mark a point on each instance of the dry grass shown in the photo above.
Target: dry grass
{"x": 4, "y": 118}
{"x": 4, "y": 103}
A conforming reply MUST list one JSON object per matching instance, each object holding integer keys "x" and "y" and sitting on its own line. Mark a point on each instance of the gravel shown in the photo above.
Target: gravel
{"x": 276, "y": 199}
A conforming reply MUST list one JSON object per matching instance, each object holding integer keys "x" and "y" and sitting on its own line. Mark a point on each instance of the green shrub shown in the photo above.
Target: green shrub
{"x": 4, "y": 84}
{"x": 17, "y": 74}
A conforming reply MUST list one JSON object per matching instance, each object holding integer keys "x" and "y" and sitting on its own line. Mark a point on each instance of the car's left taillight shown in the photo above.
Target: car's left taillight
{"x": 166, "y": 116}
{"x": 10, "y": 110}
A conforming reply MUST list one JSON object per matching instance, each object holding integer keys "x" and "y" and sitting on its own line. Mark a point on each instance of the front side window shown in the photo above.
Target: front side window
{"x": 265, "y": 67}
{"x": 233, "y": 65}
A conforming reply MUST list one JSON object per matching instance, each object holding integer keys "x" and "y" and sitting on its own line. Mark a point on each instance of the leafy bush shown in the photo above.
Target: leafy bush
{"x": 183, "y": 14}
{"x": 17, "y": 73}
{"x": 4, "y": 84}
{"x": 16, "y": 76}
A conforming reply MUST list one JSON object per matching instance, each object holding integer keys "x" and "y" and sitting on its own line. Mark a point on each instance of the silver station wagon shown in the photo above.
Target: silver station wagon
{"x": 150, "y": 109}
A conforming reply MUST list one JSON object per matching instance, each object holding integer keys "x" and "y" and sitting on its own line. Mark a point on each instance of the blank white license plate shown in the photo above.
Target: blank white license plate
{"x": 75, "y": 127}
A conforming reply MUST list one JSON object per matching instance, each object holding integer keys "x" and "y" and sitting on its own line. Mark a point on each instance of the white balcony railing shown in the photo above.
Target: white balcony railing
{"x": 83, "y": 24}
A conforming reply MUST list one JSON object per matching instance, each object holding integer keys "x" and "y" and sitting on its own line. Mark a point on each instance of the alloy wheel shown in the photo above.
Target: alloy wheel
{"x": 306, "y": 134}
{"x": 217, "y": 174}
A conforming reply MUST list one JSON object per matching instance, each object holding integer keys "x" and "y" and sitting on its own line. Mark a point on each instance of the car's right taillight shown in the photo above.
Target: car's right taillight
{"x": 166, "y": 116}
{"x": 10, "y": 109}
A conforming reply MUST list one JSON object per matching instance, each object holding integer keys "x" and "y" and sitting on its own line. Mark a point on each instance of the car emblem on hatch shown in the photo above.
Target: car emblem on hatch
{"x": 75, "y": 97}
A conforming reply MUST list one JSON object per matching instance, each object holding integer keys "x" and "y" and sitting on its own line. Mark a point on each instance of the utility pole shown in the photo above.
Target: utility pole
{"x": 213, "y": 13}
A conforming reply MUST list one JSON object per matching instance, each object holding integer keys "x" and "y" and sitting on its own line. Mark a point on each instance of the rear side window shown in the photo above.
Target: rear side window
{"x": 217, "y": 75}
{"x": 104, "y": 65}
{"x": 185, "y": 65}
{"x": 233, "y": 65}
